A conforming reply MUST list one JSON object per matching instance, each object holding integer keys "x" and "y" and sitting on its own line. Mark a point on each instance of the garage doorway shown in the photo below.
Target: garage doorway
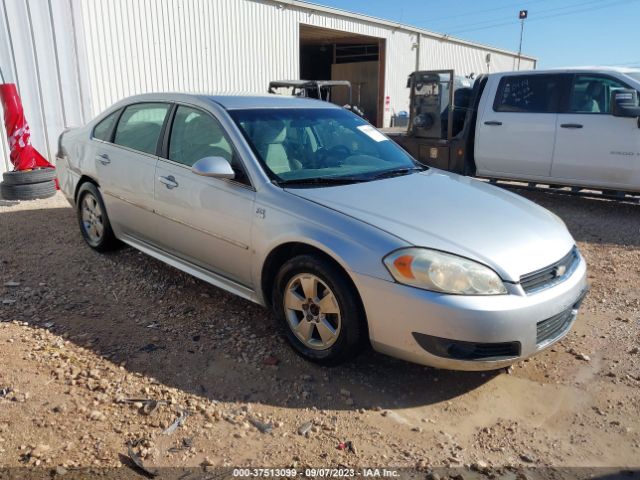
{"x": 327, "y": 54}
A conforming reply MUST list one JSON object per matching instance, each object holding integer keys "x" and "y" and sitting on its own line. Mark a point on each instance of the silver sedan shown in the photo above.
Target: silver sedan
{"x": 303, "y": 207}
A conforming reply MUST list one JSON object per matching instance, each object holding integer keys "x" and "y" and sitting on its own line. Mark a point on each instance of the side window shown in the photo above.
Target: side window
{"x": 529, "y": 94}
{"x": 140, "y": 125}
{"x": 102, "y": 131}
{"x": 592, "y": 94}
{"x": 195, "y": 134}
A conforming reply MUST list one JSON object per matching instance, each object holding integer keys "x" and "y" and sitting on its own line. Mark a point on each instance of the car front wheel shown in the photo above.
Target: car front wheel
{"x": 320, "y": 310}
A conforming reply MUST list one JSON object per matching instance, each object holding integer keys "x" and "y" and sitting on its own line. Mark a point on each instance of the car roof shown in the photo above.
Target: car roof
{"x": 232, "y": 101}
{"x": 589, "y": 69}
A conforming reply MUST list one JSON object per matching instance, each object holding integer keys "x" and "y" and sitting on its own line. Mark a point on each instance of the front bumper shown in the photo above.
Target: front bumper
{"x": 400, "y": 317}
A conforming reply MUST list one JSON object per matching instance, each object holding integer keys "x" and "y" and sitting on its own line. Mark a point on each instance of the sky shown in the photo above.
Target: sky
{"x": 560, "y": 33}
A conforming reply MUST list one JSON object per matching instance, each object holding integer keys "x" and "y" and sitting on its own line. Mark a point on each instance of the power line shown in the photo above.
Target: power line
{"x": 476, "y": 12}
{"x": 574, "y": 12}
{"x": 508, "y": 19}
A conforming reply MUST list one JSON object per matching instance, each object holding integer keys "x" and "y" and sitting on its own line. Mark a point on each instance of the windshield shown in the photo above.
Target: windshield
{"x": 320, "y": 144}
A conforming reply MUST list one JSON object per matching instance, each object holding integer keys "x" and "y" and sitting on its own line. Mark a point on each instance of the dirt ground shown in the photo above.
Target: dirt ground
{"x": 87, "y": 338}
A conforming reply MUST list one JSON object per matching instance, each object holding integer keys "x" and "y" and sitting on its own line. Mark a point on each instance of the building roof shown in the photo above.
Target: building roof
{"x": 396, "y": 25}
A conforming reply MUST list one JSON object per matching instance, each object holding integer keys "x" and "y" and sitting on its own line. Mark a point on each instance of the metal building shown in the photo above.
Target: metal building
{"x": 73, "y": 58}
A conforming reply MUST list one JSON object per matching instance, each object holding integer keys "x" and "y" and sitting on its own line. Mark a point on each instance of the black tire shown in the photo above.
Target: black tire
{"x": 352, "y": 336}
{"x": 29, "y": 191}
{"x": 107, "y": 241}
{"x": 38, "y": 175}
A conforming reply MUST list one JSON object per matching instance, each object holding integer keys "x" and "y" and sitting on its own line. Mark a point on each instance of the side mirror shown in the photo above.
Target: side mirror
{"x": 624, "y": 103}
{"x": 216, "y": 167}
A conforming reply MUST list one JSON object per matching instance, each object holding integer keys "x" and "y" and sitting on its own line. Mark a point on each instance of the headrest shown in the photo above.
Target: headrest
{"x": 594, "y": 89}
{"x": 266, "y": 132}
{"x": 203, "y": 131}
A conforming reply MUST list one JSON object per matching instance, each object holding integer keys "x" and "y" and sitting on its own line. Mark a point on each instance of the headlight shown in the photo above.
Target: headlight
{"x": 443, "y": 272}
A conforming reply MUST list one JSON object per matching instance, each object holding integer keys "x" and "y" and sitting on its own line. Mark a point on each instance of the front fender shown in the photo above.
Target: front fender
{"x": 356, "y": 246}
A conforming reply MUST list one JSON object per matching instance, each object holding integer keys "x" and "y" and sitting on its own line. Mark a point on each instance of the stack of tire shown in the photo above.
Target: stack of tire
{"x": 28, "y": 184}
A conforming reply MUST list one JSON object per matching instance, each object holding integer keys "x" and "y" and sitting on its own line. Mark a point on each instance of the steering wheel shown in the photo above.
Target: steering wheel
{"x": 333, "y": 156}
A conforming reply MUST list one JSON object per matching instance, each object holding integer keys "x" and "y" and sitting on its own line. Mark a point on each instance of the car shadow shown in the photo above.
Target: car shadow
{"x": 185, "y": 333}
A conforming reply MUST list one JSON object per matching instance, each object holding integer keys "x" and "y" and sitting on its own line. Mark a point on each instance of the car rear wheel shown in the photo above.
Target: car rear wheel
{"x": 319, "y": 310}
{"x": 93, "y": 220}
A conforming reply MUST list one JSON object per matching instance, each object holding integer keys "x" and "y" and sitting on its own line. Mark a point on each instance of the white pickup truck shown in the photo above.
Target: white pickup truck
{"x": 578, "y": 127}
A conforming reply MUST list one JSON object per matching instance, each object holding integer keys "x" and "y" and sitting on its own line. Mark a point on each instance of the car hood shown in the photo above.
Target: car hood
{"x": 461, "y": 215}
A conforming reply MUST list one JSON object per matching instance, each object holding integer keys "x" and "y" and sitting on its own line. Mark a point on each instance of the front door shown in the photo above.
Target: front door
{"x": 206, "y": 221}
{"x": 594, "y": 148}
{"x": 125, "y": 166}
{"x": 516, "y": 128}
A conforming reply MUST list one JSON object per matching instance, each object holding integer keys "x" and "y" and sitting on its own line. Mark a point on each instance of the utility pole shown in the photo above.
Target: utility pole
{"x": 522, "y": 16}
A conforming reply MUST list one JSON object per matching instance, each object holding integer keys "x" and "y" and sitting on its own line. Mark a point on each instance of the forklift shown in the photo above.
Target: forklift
{"x": 318, "y": 89}
{"x": 440, "y": 119}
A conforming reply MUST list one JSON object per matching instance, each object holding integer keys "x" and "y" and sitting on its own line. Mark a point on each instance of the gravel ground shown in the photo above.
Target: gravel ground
{"x": 103, "y": 352}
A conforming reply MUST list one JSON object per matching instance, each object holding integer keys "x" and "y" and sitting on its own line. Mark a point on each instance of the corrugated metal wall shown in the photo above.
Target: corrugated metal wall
{"x": 72, "y": 59}
{"x": 38, "y": 53}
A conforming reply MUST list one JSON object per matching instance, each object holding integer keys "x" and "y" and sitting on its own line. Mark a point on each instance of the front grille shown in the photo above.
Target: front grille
{"x": 551, "y": 275}
{"x": 553, "y": 327}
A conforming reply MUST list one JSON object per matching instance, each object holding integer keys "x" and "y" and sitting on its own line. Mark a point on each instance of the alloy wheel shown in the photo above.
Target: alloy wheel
{"x": 312, "y": 311}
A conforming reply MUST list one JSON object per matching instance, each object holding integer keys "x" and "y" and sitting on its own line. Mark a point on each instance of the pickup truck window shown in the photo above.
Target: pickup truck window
{"x": 529, "y": 94}
{"x": 592, "y": 94}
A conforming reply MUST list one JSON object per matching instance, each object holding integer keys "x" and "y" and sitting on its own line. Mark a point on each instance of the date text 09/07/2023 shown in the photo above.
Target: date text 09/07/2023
{"x": 314, "y": 473}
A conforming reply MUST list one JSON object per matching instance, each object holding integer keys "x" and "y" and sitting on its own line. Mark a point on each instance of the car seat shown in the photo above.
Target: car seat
{"x": 269, "y": 137}
{"x": 596, "y": 89}
{"x": 201, "y": 137}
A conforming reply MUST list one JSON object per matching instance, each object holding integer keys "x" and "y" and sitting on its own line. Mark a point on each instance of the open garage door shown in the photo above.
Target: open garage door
{"x": 336, "y": 55}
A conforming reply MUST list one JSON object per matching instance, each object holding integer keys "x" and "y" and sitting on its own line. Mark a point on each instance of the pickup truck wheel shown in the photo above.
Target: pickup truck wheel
{"x": 93, "y": 220}
{"x": 319, "y": 310}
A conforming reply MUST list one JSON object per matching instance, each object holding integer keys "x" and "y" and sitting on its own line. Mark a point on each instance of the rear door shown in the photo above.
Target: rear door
{"x": 516, "y": 128}
{"x": 205, "y": 221}
{"x": 125, "y": 167}
{"x": 594, "y": 148}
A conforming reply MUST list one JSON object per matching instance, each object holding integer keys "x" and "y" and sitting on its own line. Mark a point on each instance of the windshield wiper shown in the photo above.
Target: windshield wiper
{"x": 322, "y": 181}
{"x": 397, "y": 172}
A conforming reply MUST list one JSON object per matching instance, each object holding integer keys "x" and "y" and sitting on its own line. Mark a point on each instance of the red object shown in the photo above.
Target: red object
{"x": 271, "y": 360}
{"x": 23, "y": 156}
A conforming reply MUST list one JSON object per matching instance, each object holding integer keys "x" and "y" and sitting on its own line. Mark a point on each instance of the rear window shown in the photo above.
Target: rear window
{"x": 102, "y": 131}
{"x": 529, "y": 94}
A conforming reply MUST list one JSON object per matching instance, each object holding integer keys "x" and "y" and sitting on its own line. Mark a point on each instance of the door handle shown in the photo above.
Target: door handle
{"x": 104, "y": 159}
{"x": 169, "y": 182}
{"x": 571, "y": 125}
{"x": 493, "y": 123}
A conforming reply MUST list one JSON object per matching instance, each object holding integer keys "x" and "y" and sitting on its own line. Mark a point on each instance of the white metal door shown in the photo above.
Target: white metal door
{"x": 594, "y": 148}
{"x": 516, "y": 129}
